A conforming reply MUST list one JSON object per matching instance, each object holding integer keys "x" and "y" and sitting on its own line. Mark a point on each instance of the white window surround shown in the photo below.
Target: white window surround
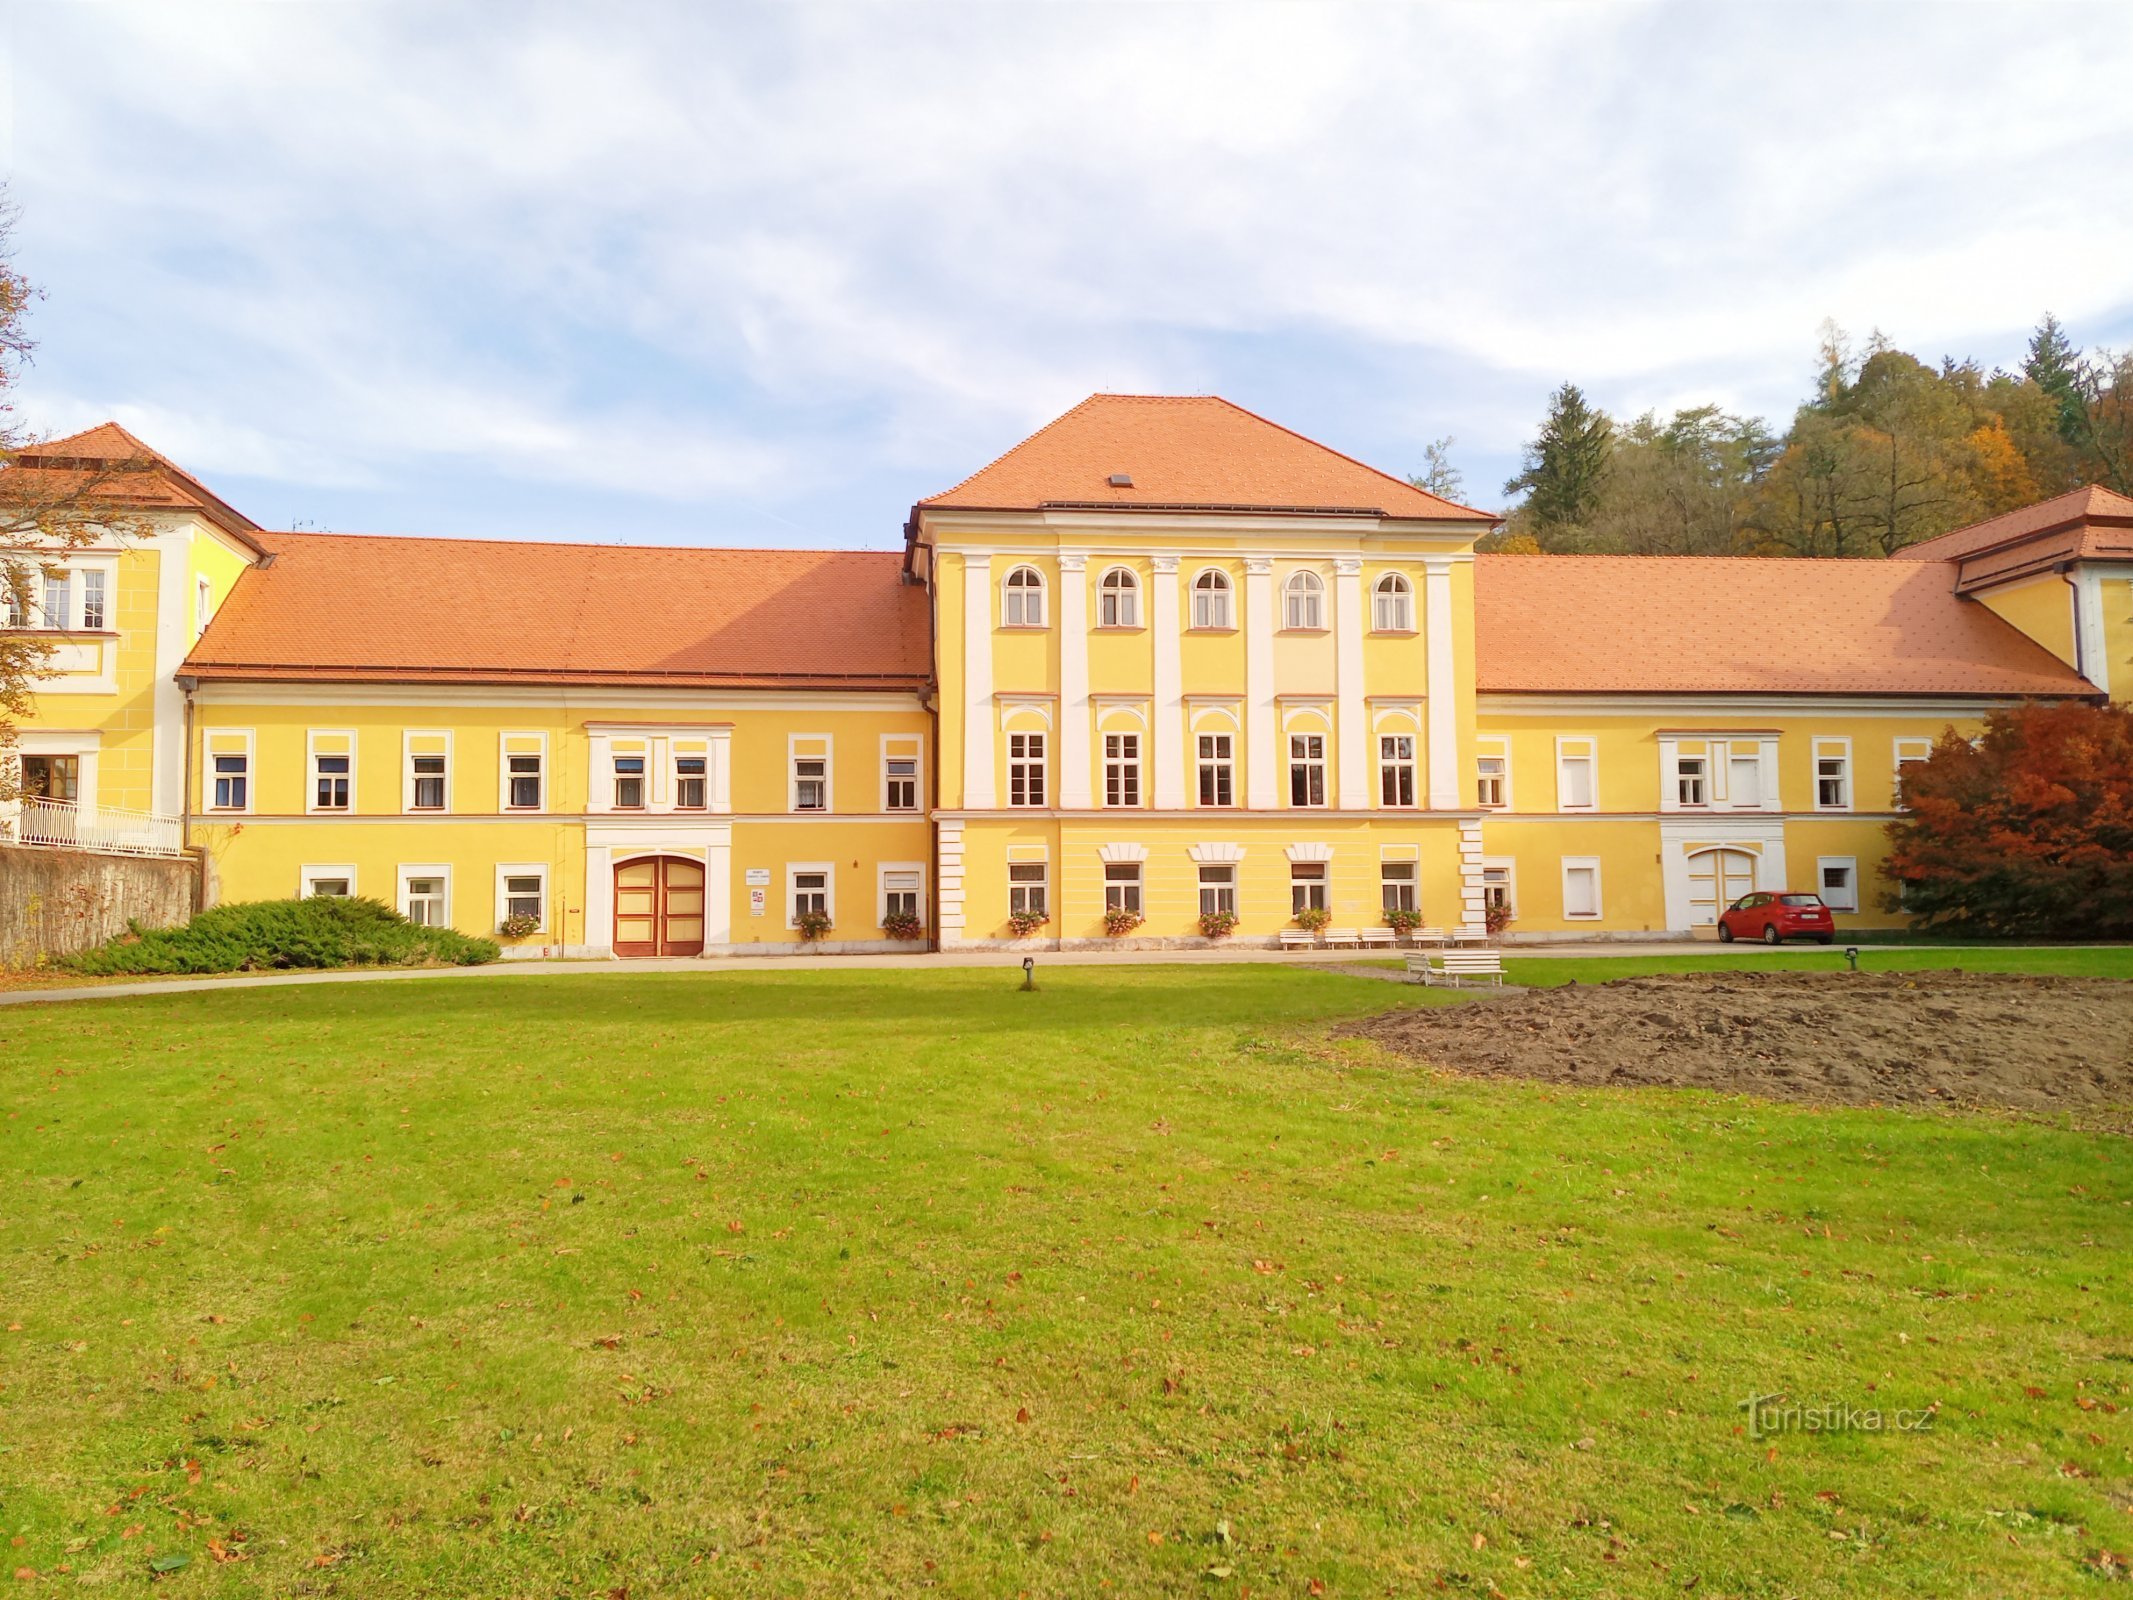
{"x": 1849, "y": 865}
{"x": 1022, "y": 597}
{"x": 507, "y": 870}
{"x": 801, "y": 747}
{"x": 228, "y": 742}
{"x": 1392, "y": 605}
{"x": 1739, "y": 773}
{"x": 909, "y": 747}
{"x": 1497, "y": 750}
{"x": 1508, "y": 867}
{"x": 1577, "y": 790}
{"x": 425, "y": 742}
{"x": 524, "y": 742}
{"x": 1303, "y": 603}
{"x": 1023, "y": 877}
{"x": 312, "y": 751}
{"x": 1118, "y": 598}
{"x": 1581, "y": 889}
{"x": 314, "y": 872}
{"x": 1120, "y": 853}
{"x": 793, "y": 869}
{"x": 1902, "y": 753}
{"x": 1214, "y": 601}
{"x": 203, "y": 605}
{"x": 75, "y": 573}
{"x": 1838, "y": 750}
{"x": 441, "y": 871}
{"x": 1309, "y": 852}
{"x": 915, "y": 870}
{"x": 1209, "y": 855}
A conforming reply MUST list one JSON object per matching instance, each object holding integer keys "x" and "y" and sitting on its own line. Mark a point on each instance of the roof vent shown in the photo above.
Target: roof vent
{"x": 1121, "y": 480}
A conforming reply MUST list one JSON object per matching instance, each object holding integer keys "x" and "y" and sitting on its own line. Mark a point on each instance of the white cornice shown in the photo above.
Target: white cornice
{"x": 1732, "y": 708}
{"x": 564, "y": 700}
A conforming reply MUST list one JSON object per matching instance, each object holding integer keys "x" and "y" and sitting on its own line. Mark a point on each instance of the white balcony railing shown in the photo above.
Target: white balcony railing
{"x": 65, "y": 825}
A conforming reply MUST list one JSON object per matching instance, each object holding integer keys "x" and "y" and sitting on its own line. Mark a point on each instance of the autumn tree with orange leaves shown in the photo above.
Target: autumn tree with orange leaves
{"x": 2027, "y": 831}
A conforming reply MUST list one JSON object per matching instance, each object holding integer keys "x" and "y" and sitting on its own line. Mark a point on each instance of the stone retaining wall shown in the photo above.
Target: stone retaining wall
{"x": 54, "y": 902}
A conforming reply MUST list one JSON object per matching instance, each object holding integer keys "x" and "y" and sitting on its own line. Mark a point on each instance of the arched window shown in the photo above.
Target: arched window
{"x": 1118, "y": 600}
{"x": 1024, "y": 606}
{"x": 1393, "y": 605}
{"x": 1304, "y": 602}
{"x": 1210, "y": 600}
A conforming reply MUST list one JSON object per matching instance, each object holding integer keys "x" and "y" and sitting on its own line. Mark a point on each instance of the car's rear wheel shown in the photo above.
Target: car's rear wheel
{"x": 1825, "y": 938}
{"x": 1771, "y": 934}
{"x": 1725, "y": 934}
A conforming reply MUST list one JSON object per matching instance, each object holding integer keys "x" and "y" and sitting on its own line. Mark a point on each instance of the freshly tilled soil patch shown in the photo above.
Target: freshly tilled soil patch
{"x": 1939, "y": 1038}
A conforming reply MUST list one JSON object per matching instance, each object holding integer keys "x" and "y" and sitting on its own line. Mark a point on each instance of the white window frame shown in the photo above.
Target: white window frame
{"x": 1851, "y": 865}
{"x": 882, "y": 873}
{"x": 1219, "y": 888}
{"x": 505, "y": 872}
{"x": 1126, "y": 767}
{"x": 1392, "y": 604}
{"x": 409, "y": 870}
{"x": 643, "y": 775}
{"x": 1310, "y": 883}
{"x": 408, "y": 753}
{"x": 1400, "y": 768}
{"x": 675, "y": 757}
{"x": 909, "y": 747}
{"x": 1838, "y": 750}
{"x": 1033, "y": 770}
{"x": 1902, "y": 752}
{"x": 203, "y": 604}
{"x": 1027, "y": 598}
{"x": 1042, "y": 883}
{"x": 793, "y": 869}
{"x": 1736, "y": 760}
{"x": 1303, "y": 602}
{"x": 1411, "y": 866}
{"x": 1701, "y": 778}
{"x": 800, "y": 747}
{"x": 311, "y": 772}
{"x": 1508, "y": 866}
{"x": 312, "y": 871}
{"x": 208, "y": 757}
{"x": 1136, "y": 885}
{"x": 1564, "y": 756}
{"x": 1498, "y": 781}
{"x": 1219, "y": 615}
{"x": 102, "y": 580}
{"x": 1306, "y": 763}
{"x": 1222, "y": 765}
{"x": 504, "y": 753}
{"x": 1123, "y": 601}
{"x": 1590, "y": 864}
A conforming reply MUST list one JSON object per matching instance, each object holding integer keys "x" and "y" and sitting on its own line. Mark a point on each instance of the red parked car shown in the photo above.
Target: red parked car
{"x": 1774, "y": 918}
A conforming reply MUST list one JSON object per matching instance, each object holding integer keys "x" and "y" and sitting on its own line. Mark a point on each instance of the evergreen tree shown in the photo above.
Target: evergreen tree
{"x": 2054, "y": 365}
{"x": 1566, "y": 465}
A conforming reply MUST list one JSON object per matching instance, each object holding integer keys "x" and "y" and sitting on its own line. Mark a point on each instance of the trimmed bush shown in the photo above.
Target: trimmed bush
{"x": 265, "y": 935}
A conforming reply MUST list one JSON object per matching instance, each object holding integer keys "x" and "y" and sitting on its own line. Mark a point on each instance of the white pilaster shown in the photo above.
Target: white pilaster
{"x": 1353, "y": 727}
{"x": 977, "y": 683}
{"x": 949, "y": 865}
{"x": 1073, "y": 681}
{"x": 1261, "y": 790}
{"x": 1442, "y": 685}
{"x": 1165, "y": 620}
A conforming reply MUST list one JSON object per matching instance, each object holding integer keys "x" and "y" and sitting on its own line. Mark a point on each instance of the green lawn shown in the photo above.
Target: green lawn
{"x": 870, "y": 1282}
{"x": 2095, "y": 961}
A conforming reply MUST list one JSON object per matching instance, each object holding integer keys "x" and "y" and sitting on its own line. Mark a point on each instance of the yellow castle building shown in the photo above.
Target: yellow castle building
{"x": 1163, "y": 668}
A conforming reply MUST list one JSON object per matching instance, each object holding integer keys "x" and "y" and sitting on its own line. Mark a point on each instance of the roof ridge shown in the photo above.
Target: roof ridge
{"x": 2085, "y": 493}
{"x": 1353, "y": 461}
{"x": 1027, "y": 439}
{"x": 1649, "y": 555}
{"x": 581, "y": 544}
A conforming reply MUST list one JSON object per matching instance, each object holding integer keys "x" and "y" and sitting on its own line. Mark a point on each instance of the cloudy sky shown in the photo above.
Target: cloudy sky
{"x": 766, "y": 274}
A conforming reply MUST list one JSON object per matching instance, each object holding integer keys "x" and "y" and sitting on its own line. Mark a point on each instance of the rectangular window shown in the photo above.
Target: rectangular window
{"x": 629, "y": 783}
{"x": 1307, "y": 769}
{"x": 233, "y": 775}
{"x": 1744, "y": 779}
{"x": 1218, "y": 891}
{"x": 422, "y": 901}
{"x": 92, "y": 599}
{"x": 899, "y": 894}
{"x": 1396, "y": 769}
{"x": 1122, "y": 886}
{"x": 1216, "y": 772}
{"x": 1307, "y": 886}
{"x": 1122, "y": 769}
{"x": 1574, "y": 785}
{"x": 1025, "y": 769}
{"x": 428, "y": 783}
{"x": 1025, "y": 888}
{"x": 810, "y": 892}
{"x": 1840, "y": 882}
{"x": 1909, "y": 753}
{"x": 525, "y": 782}
{"x": 321, "y": 886}
{"x": 690, "y": 782}
{"x": 901, "y": 793}
{"x": 11, "y": 601}
{"x": 1488, "y": 782}
{"x": 58, "y": 601}
{"x": 1581, "y": 887}
{"x": 1692, "y": 781}
{"x": 1833, "y": 779}
{"x": 1496, "y": 888}
{"x": 526, "y": 895}
{"x": 331, "y": 776}
{"x": 52, "y": 778}
{"x": 810, "y": 783}
{"x": 203, "y": 604}
{"x": 1396, "y": 882}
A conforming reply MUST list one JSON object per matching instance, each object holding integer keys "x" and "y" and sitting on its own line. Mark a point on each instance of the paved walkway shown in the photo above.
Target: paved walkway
{"x": 737, "y": 966}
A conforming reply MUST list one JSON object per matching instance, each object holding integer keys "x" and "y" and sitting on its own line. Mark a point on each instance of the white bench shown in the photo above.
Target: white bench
{"x": 1297, "y": 939}
{"x": 1337, "y": 937}
{"x": 1421, "y": 938}
{"x": 1377, "y": 938}
{"x": 1457, "y": 969}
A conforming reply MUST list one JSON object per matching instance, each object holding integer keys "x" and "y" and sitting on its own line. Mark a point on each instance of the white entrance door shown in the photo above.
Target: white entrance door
{"x": 1717, "y": 878}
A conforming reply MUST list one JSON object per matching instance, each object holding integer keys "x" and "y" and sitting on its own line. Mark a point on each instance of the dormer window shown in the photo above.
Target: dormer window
{"x": 1118, "y": 600}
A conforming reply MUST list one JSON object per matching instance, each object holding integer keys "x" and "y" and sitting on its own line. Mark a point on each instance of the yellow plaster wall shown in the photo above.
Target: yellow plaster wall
{"x": 2043, "y": 608}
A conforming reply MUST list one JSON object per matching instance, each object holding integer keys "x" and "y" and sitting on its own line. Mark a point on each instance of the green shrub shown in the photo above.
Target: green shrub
{"x": 263, "y": 935}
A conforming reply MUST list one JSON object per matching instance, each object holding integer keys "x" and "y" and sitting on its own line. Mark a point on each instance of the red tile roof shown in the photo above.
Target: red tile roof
{"x": 354, "y": 608}
{"x": 136, "y": 477}
{"x": 1746, "y": 625}
{"x": 2091, "y": 524}
{"x": 1187, "y": 453}
{"x": 2078, "y": 505}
